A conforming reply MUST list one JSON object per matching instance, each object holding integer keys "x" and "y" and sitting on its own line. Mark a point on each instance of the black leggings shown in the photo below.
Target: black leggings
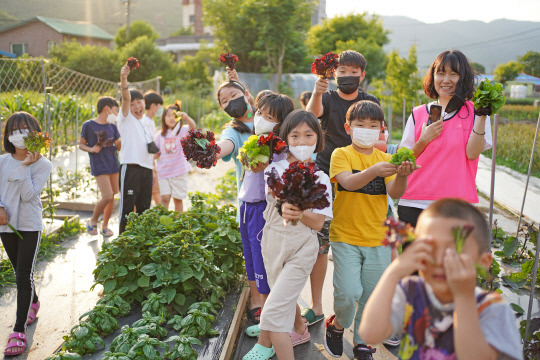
{"x": 22, "y": 254}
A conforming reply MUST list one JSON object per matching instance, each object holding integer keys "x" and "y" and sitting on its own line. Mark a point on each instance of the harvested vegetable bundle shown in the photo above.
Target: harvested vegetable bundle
{"x": 298, "y": 186}
{"x": 177, "y": 108}
{"x": 262, "y": 148}
{"x": 37, "y": 142}
{"x": 460, "y": 234}
{"x": 488, "y": 98}
{"x": 325, "y": 65}
{"x": 133, "y": 63}
{"x": 201, "y": 148}
{"x": 398, "y": 233}
{"x": 102, "y": 138}
{"x": 403, "y": 154}
{"x": 228, "y": 59}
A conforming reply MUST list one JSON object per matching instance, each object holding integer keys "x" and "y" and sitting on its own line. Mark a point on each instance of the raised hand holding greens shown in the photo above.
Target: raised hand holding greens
{"x": 201, "y": 148}
{"x": 133, "y": 63}
{"x": 228, "y": 59}
{"x": 325, "y": 65}
{"x": 488, "y": 98}
{"x": 260, "y": 149}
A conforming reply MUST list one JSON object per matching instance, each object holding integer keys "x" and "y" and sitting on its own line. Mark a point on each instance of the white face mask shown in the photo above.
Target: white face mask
{"x": 17, "y": 138}
{"x": 303, "y": 152}
{"x": 365, "y": 138}
{"x": 111, "y": 118}
{"x": 262, "y": 126}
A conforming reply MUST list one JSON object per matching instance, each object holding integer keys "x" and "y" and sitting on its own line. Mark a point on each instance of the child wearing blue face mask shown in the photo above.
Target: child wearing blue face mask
{"x": 290, "y": 251}
{"x": 364, "y": 176}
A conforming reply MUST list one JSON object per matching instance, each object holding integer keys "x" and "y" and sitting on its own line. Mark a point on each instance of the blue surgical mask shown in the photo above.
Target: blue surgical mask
{"x": 159, "y": 111}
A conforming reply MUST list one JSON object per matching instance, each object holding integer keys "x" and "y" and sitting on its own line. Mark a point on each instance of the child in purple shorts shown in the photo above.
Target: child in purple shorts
{"x": 272, "y": 109}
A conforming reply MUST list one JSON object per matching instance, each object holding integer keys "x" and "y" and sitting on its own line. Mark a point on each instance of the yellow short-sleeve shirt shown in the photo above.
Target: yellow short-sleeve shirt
{"x": 359, "y": 215}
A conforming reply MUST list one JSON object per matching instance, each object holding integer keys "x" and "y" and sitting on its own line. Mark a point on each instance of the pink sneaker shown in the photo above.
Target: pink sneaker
{"x": 298, "y": 339}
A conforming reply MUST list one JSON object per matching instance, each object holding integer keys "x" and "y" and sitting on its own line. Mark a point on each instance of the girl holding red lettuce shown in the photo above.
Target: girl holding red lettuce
{"x": 23, "y": 174}
{"x": 289, "y": 239}
{"x": 272, "y": 110}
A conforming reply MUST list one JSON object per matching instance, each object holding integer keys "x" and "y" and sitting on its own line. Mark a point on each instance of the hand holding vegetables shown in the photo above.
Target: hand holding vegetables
{"x": 488, "y": 98}
{"x": 325, "y": 65}
{"x": 37, "y": 142}
{"x": 403, "y": 154}
{"x": 260, "y": 149}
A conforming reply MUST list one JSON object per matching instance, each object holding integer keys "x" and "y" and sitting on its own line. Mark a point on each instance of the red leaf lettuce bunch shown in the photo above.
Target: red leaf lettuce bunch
{"x": 201, "y": 148}
{"x": 325, "y": 65}
{"x": 133, "y": 63}
{"x": 228, "y": 59}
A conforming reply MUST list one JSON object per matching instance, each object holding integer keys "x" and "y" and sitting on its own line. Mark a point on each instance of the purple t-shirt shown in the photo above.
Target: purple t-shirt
{"x": 106, "y": 161}
{"x": 252, "y": 189}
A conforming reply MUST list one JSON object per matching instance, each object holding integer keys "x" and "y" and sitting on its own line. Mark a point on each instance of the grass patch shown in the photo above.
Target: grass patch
{"x": 514, "y": 145}
{"x": 519, "y": 112}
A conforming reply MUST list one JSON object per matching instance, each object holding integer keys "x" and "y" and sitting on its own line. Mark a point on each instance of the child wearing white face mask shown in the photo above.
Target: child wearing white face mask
{"x": 290, "y": 251}
{"x": 363, "y": 176}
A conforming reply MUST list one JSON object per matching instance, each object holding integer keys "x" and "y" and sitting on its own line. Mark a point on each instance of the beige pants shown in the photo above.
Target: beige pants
{"x": 289, "y": 254}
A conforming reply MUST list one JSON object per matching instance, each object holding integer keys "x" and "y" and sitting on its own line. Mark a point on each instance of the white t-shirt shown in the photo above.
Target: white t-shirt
{"x": 135, "y": 137}
{"x": 151, "y": 126}
{"x": 282, "y": 165}
{"x": 408, "y": 141}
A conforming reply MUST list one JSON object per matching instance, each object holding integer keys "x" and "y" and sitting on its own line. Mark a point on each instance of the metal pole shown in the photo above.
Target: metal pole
{"x": 390, "y": 120}
{"x": 531, "y": 297}
{"x": 528, "y": 174}
{"x": 492, "y": 190}
{"x": 157, "y": 86}
{"x": 128, "y": 2}
{"x": 403, "y": 115}
{"x": 76, "y": 147}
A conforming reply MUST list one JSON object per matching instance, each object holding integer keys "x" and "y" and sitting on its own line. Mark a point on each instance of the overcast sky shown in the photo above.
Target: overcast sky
{"x": 439, "y": 11}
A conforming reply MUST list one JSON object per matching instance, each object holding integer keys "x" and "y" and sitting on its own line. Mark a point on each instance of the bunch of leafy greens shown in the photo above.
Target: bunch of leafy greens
{"x": 260, "y": 149}
{"x": 488, "y": 98}
{"x": 403, "y": 154}
{"x": 201, "y": 148}
{"x": 37, "y": 142}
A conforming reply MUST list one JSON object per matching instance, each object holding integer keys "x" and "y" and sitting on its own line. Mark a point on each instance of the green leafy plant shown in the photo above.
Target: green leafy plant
{"x": 176, "y": 322}
{"x": 102, "y": 320}
{"x": 145, "y": 348}
{"x": 155, "y": 305}
{"x": 37, "y": 142}
{"x": 532, "y": 343}
{"x": 403, "y": 154}
{"x": 83, "y": 339}
{"x": 488, "y": 98}
{"x": 127, "y": 338}
{"x": 107, "y": 355}
{"x": 152, "y": 324}
{"x": 64, "y": 355}
{"x": 115, "y": 301}
{"x": 183, "y": 347}
{"x": 198, "y": 323}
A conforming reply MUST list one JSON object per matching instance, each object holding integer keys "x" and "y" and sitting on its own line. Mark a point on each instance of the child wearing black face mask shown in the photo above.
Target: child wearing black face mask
{"x": 331, "y": 107}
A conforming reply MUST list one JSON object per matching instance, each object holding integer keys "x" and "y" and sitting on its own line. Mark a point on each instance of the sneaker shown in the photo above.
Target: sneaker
{"x": 298, "y": 339}
{"x": 333, "y": 341}
{"x": 393, "y": 341}
{"x": 363, "y": 352}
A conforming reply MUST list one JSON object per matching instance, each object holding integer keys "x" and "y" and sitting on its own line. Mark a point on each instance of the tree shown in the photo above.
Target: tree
{"x": 359, "y": 32}
{"x": 96, "y": 61}
{"x": 402, "y": 80}
{"x": 507, "y": 72}
{"x": 479, "y": 68}
{"x": 267, "y": 36}
{"x": 136, "y": 29}
{"x": 183, "y": 31}
{"x": 531, "y": 63}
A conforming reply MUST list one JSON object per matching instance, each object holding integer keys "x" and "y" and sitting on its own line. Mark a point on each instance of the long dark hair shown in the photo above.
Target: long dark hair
{"x": 234, "y": 123}
{"x": 17, "y": 120}
{"x": 297, "y": 117}
{"x": 177, "y": 106}
{"x": 278, "y": 105}
{"x": 459, "y": 63}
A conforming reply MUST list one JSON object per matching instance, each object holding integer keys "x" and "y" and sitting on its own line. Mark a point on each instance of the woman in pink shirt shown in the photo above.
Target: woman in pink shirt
{"x": 448, "y": 149}
{"x": 172, "y": 166}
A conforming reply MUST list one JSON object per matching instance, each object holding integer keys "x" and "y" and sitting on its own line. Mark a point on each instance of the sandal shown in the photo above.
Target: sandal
{"x": 91, "y": 229}
{"x": 107, "y": 232}
{"x": 254, "y": 315}
{"x": 19, "y": 342}
{"x": 259, "y": 352}
{"x": 310, "y": 316}
{"x": 32, "y": 315}
{"x": 298, "y": 339}
{"x": 253, "y": 330}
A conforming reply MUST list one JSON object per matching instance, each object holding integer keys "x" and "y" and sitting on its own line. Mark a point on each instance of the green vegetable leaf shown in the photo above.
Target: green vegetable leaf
{"x": 489, "y": 96}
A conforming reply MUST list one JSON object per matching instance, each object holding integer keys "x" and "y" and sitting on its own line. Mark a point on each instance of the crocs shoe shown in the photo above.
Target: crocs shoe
{"x": 298, "y": 339}
{"x": 253, "y": 330}
{"x": 259, "y": 352}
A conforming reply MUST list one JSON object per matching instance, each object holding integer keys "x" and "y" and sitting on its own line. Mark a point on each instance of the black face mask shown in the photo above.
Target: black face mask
{"x": 348, "y": 84}
{"x": 237, "y": 107}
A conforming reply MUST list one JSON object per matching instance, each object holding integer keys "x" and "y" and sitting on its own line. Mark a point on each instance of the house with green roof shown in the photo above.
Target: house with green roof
{"x": 38, "y": 35}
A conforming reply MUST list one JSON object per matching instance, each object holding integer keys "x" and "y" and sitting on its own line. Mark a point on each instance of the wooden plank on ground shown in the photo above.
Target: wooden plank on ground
{"x": 230, "y": 341}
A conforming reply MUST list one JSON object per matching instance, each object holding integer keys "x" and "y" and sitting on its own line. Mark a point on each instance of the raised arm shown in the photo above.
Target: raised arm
{"x": 226, "y": 146}
{"x": 315, "y": 104}
{"x": 126, "y": 96}
{"x": 476, "y": 142}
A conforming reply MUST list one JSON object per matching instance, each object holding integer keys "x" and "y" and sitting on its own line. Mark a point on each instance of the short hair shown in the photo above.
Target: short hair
{"x": 365, "y": 109}
{"x": 278, "y": 105}
{"x": 459, "y": 63}
{"x": 262, "y": 94}
{"x": 453, "y": 208}
{"x": 304, "y": 97}
{"x": 152, "y": 97}
{"x": 297, "y": 117}
{"x": 106, "y": 101}
{"x": 352, "y": 58}
{"x": 230, "y": 84}
{"x": 136, "y": 95}
{"x": 17, "y": 120}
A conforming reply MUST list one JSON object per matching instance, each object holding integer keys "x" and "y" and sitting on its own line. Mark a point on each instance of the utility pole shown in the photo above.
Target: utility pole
{"x": 128, "y": 3}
